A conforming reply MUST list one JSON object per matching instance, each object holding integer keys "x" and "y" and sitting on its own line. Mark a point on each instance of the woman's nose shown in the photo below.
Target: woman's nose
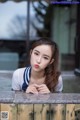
{"x": 39, "y": 60}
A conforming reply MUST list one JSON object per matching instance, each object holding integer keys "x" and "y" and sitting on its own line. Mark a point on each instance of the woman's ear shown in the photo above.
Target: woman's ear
{"x": 30, "y": 52}
{"x": 51, "y": 61}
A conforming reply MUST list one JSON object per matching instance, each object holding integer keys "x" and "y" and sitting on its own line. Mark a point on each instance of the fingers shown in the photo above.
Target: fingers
{"x": 33, "y": 92}
{"x": 31, "y": 89}
{"x": 43, "y": 89}
{"x": 35, "y": 89}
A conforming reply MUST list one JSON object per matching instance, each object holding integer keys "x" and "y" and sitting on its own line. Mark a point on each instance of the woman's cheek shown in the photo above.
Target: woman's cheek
{"x": 46, "y": 63}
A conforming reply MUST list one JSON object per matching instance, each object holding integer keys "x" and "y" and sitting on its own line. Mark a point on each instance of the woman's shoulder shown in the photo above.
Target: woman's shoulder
{"x": 59, "y": 86}
{"x": 60, "y": 78}
{"x": 17, "y": 78}
{"x": 18, "y": 73}
{"x": 19, "y": 70}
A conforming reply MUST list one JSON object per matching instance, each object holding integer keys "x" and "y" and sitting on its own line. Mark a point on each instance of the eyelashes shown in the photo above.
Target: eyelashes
{"x": 37, "y": 54}
{"x": 46, "y": 58}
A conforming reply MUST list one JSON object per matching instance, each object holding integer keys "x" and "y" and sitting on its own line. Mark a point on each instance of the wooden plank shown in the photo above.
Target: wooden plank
{"x": 56, "y": 112}
{"x": 45, "y": 112}
{"x": 52, "y": 111}
{"x": 25, "y": 112}
{"x": 41, "y": 111}
{"x": 70, "y": 111}
{"x": 38, "y": 111}
{"x": 8, "y": 111}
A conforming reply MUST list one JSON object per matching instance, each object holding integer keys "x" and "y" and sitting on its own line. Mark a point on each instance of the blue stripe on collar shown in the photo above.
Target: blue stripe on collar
{"x": 26, "y": 78}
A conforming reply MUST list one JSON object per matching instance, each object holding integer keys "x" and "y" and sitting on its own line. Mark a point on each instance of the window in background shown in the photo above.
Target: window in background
{"x": 13, "y": 29}
{"x": 13, "y": 20}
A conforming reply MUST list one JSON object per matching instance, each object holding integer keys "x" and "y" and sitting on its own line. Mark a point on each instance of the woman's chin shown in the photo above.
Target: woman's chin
{"x": 36, "y": 69}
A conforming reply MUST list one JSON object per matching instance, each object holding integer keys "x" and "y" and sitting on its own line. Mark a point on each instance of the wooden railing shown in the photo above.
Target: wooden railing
{"x": 22, "y": 106}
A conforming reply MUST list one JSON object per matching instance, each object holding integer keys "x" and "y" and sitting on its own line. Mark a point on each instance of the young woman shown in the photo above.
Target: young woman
{"x": 42, "y": 76}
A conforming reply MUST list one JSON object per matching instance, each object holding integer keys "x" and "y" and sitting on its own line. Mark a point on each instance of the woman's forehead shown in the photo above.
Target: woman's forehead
{"x": 45, "y": 49}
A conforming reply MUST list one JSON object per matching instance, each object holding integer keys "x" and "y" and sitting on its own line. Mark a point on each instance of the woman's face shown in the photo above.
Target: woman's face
{"x": 41, "y": 57}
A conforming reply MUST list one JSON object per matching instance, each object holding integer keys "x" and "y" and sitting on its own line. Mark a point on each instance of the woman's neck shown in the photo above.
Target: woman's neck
{"x": 37, "y": 75}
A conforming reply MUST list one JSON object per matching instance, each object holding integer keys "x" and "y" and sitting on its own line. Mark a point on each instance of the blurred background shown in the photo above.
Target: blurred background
{"x": 22, "y": 21}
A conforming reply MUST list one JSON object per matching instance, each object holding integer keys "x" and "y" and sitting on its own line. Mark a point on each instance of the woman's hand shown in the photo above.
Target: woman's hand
{"x": 35, "y": 89}
{"x": 43, "y": 89}
{"x": 32, "y": 89}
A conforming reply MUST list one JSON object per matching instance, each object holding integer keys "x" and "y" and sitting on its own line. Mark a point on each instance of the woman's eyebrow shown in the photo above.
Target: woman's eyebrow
{"x": 44, "y": 54}
{"x": 47, "y": 56}
{"x": 37, "y": 51}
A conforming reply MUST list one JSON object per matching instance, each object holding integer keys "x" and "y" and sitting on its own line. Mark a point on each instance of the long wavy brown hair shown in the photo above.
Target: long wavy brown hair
{"x": 51, "y": 72}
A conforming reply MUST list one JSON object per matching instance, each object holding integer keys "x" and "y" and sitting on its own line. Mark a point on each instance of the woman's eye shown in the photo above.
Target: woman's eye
{"x": 36, "y": 53}
{"x": 46, "y": 58}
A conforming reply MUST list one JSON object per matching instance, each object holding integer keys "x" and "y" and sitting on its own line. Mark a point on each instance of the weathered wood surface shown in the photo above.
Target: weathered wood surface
{"x": 56, "y": 106}
{"x": 39, "y": 111}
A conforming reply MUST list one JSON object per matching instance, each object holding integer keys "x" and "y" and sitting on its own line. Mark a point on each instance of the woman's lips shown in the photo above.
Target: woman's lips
{"x": 36, "y": 66}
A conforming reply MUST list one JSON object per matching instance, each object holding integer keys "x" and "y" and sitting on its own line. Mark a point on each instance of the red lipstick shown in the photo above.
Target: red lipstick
{"x": 36, "y": 66}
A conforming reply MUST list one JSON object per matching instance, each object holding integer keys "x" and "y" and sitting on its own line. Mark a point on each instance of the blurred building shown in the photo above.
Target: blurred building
{"x": 41, "y": 18}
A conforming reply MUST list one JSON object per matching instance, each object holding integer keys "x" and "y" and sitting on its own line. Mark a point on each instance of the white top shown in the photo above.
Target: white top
{"x": 18, "y": 80}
